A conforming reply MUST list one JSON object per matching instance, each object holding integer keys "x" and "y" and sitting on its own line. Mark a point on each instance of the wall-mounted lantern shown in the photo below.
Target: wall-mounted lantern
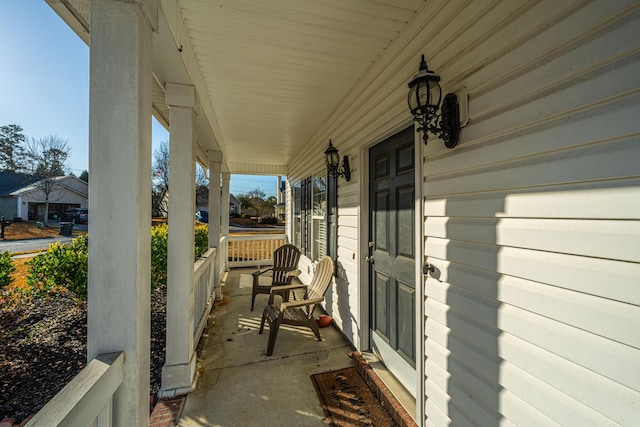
{"x": 424, "y": 102}
{"x": 332, "y": 158}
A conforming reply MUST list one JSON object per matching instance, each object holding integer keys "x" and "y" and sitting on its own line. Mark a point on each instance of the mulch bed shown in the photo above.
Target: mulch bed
{"x": 43, "y": 345}
{"x": 348, "y": 401}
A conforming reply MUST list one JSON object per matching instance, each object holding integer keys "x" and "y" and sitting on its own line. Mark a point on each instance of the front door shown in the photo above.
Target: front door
{"x": 392, "y": 254}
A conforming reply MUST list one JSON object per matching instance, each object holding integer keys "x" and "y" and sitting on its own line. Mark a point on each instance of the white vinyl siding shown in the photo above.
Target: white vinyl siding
{"x": 532, "y": 314}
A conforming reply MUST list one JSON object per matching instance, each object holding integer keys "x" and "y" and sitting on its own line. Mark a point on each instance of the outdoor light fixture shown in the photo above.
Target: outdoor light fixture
{"x": 332, "y": 158}
{"x": 424, "y": 101}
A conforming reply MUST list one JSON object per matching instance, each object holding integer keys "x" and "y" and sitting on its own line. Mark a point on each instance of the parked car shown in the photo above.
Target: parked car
{"x": 202, "y": 216}
{"x": 76, "y": 215}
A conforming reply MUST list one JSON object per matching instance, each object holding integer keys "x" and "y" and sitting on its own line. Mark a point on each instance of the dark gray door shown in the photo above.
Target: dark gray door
{"x": 392, "y": 249}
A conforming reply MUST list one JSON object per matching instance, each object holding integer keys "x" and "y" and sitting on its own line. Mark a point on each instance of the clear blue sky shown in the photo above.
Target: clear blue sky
{"x": 44, "y": 85}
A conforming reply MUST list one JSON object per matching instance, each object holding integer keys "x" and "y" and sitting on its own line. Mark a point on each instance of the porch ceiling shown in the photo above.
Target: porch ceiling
{"x": 269, "y": 73}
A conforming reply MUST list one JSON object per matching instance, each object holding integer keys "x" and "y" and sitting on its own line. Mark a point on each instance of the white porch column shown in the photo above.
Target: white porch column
{"x": 226, "y": 177}
{"x": 215, "y": 163}
{"x": 179, "y": 371}
{"x": 278, "y": 192}
{"x": 120, "y": 161}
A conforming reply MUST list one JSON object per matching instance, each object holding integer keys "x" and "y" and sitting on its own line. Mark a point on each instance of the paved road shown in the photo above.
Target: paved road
{"x": 28, "y": 245}
{"x": 31, "y": 244}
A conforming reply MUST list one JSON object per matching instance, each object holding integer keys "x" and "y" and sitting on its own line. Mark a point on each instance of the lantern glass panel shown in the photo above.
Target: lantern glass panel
{"x": 332, "y": 158}
{"x": 335, "y": 159}
{"x": 424, "y": 96}
{"x": 413, "y": 99}
{"x": 436, "y": 94}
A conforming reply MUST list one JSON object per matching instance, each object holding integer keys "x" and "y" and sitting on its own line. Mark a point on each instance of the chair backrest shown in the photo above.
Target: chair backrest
{"x": 285, "y": 260}
{"x": 321, "y": 279}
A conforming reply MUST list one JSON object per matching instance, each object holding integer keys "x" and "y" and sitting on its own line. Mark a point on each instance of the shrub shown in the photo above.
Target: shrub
{"x": 6, "y": 268}
{"x": 62, "y": 267}
{"x": 269, "y": 220}
{"x": 159, "y": 235}
{"x": 202, "y": 240}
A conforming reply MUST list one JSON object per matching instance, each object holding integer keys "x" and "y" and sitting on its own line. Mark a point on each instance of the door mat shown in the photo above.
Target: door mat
{"x": 348, "y": 401}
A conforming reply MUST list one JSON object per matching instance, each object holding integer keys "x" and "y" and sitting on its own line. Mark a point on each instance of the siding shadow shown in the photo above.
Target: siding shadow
{"x": 469, "y": 287}
{"x": 340, "y": 291}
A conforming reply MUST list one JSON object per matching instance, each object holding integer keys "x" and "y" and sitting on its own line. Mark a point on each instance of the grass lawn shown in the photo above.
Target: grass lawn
{"x": 28, "y": 230}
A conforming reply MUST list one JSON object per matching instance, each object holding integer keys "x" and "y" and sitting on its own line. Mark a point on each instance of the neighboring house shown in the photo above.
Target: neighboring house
{"x": 497, "y": 281}
{"x": 235, "y": 207}
{"x": 10, "y": 207}
{"x": 21, "y": 196}
{"x": 202, "y": 203}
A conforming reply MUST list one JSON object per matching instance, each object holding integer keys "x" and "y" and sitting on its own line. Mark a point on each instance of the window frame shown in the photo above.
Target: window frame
{"x": 307, "y": 198}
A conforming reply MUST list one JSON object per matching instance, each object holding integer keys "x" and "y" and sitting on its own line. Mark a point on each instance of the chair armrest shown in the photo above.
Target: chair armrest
{"x": 300, "y": 303}
{"x": 282, "y": 288}
{"x": 259, "y": 272}
{"x": 294, "y": 273}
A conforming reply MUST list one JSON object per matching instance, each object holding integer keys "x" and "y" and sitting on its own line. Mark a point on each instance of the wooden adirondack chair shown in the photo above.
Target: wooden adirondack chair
{"x": 285, "y": 263}
{"x": 297, "y": 312}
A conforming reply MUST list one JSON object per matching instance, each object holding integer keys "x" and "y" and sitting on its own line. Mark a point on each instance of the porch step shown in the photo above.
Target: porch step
{"x": 166, "y": 412}
{"x": 397, "y": 411}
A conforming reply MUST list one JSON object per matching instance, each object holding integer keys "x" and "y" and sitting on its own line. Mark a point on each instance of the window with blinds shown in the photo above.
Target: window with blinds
{"x": 310, "y": 229}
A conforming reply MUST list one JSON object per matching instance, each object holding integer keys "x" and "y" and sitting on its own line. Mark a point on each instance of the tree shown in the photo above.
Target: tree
{"x": 257, "y": 200}
{"x": 202, "y": 187}
{"x": 84, "y": 176}
{"x": 160, "y": 180}
{"x": 12, "y": 149}
{"x": 47, "y": 162}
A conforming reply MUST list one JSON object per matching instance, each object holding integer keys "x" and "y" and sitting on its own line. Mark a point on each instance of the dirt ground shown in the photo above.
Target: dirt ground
{"x": 28, "y": 230}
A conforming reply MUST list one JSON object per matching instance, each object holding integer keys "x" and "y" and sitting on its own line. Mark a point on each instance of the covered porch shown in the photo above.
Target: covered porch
{"x": 482, "y": 277}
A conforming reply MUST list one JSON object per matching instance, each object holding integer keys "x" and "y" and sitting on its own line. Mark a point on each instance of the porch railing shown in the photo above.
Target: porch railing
{"x": 207, "y": 273}
{"x": 222, "y": 258}
{"x": 88, "y": 398}
{"x": 253, "y": 250}
{"x": 204, "y": 280}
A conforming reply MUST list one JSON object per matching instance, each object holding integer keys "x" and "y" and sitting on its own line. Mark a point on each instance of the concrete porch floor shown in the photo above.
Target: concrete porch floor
{"x": 240, "y": 385}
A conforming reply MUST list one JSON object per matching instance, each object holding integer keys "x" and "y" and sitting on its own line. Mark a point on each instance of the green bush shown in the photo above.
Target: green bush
{"x": 202, "y": 240}
{"x": 159, "y": 235}
{"x": 6, "y": 268}
{"x": 269, "y": 220}
{"x": 65, "y": 266}
{"x": 61, "y": 267}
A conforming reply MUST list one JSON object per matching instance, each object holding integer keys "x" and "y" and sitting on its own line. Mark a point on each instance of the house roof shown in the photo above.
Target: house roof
{"x": 11, "y": 182}
{"x": 63, "y": 182}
